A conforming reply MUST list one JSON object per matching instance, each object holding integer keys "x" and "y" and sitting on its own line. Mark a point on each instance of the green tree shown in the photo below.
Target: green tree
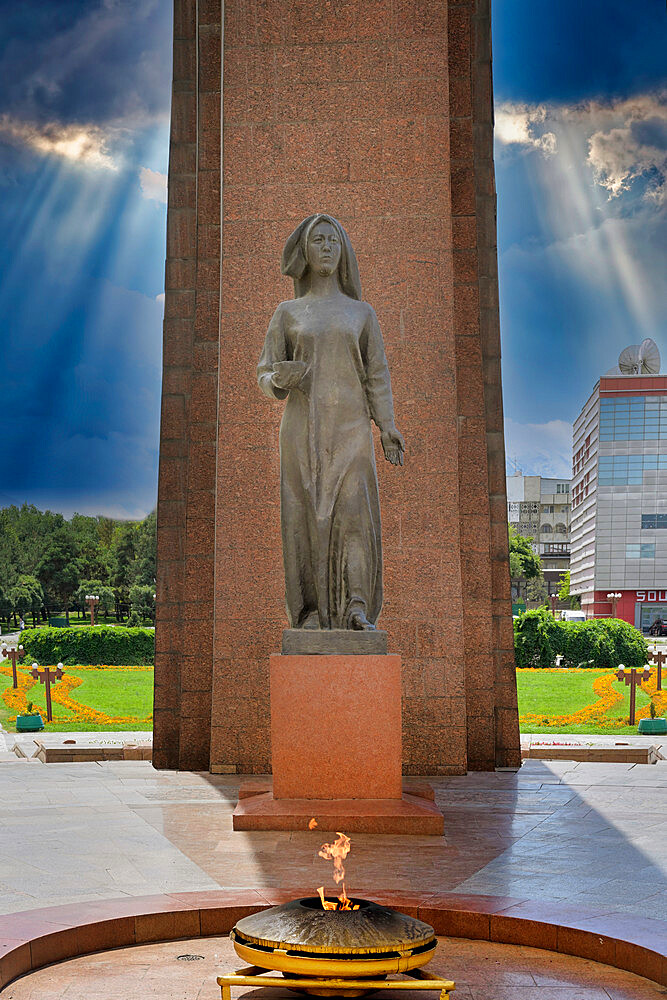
{"x": 93, "y": 558}
{"x": 574, "y": 600}
{"x": 105, "y": 529}
{"x": 32, "y": 531}
{"x": 537, "y": 590}
{"x": 9, "y": 554}
{"x": 524, "y": 562}
{"x": 123, "y": 556}
{"x": 143, "y": 569}
{"x": 26, "y": 595}
{"x": 142, "y": 599}
{"x": 58, "y": 570}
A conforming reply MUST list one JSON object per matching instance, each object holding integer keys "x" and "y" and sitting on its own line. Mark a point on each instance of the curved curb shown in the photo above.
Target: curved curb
{"x": 32, "y": 939}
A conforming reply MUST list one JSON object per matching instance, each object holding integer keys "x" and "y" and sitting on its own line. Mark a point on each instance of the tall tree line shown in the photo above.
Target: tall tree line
{"x": 49, "y": 563}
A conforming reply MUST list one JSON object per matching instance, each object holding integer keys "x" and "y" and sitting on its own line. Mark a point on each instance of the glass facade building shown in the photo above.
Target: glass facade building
{"x": 619, "y": 498}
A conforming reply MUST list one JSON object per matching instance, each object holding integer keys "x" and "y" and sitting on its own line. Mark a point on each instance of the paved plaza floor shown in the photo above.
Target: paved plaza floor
{"x": 586, "y": 834}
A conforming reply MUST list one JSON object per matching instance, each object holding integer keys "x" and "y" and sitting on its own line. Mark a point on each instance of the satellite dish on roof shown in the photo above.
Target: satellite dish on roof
{"x": 640, "y": 359}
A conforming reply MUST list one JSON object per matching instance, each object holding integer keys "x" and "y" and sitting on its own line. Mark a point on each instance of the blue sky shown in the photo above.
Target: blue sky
{"x": 84, "y": 130}
{"x": 84, "y": 105}
{"x": 581, "y": 146}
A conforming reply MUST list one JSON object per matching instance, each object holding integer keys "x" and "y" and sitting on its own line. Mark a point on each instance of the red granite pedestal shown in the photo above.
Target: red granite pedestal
{"x": 337, "y": 751}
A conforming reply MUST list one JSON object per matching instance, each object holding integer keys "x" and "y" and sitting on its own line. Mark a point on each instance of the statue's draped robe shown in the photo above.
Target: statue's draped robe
{"x": 330, "y": 509}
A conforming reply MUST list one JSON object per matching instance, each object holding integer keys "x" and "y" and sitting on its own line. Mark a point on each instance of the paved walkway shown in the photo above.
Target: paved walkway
{"x": 110, "y": 738}
{"x": 26, "y": 741}
{"x": 585, "y": 834}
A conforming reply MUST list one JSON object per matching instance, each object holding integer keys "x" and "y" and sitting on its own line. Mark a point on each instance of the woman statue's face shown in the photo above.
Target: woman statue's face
{"x": 323, "y": 249}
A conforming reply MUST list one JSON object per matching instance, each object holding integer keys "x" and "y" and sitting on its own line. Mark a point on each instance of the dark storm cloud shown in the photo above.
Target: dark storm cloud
{"x": 93, "y": 62}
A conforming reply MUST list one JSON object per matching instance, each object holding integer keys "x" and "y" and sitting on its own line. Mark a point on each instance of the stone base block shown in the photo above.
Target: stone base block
{"x": 264, "y": 783}
{"x": 309, "y": 642}
{"x": 407, "y": 815}
{"x": 336, "y": 727}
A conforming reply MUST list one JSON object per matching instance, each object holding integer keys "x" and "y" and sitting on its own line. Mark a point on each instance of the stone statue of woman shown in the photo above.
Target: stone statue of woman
{"x": 324, "y": 354}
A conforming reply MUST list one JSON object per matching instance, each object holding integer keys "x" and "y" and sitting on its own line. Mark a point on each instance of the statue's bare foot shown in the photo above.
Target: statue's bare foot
{"x": 312, "y": 622}
{"x": 360, "y": 623}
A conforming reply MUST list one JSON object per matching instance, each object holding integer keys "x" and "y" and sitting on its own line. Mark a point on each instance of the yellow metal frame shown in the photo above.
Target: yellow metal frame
{"x": 420, "y": 979}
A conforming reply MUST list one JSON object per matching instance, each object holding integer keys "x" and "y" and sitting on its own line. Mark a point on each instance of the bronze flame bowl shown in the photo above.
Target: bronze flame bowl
{"x": 299, "y": 938}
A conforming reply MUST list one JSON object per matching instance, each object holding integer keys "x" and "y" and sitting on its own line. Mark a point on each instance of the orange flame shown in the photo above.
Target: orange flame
{"x": 337, "y": 852}
{"x": 326, "y": 905}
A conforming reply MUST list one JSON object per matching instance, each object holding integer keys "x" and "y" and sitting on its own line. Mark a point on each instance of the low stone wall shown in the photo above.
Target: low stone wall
{"x": 35, "y": 938}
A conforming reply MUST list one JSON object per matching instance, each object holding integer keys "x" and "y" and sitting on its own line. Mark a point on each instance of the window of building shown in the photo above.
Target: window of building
{"x": 560, "y": 528}
{"x": 654, "y": 520}
{"x": 556, "y": 548}
{"x": 635, "y": 418}
{"x": 546, "y": 529}
{"x": 547, "y": 508}
{"x": 640, "y": 550}
{"x": 580, "y": 458}
{"x": 580, "y": 491}
{"x": 628, "y": 470}
{"x": 562, "y": 487}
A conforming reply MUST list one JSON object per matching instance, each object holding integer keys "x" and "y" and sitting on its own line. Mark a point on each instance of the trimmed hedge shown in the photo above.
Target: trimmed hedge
{"x": 603, "y": 643}
{"x": 118, "y": 645}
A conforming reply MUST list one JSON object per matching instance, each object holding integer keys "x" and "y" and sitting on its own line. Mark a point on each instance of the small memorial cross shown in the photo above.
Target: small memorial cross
{"x": 659, "y": 658}
{"x": 47, "y": 675}
{"x": 12, "y": 654}
{"x": 632, "y": 679}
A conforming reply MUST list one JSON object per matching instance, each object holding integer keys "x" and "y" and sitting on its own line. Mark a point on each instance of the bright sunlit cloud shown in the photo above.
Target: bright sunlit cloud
{"x": 594, "y": 197}
{"x": 625, "y": 140}
{"x": 522, "y": 125}
{"x": 153, "y": 185}
{"x": 87, "y": 145}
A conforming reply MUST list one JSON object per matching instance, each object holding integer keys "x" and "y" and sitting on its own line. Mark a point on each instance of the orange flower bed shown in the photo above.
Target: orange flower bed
{"x": 16, "y": 700}
{"x": 595, "y": 714}
{"x": 659, "y": 698}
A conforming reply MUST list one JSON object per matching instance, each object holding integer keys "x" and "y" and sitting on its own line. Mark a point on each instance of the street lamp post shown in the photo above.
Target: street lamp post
{"x": 92, "y": 600}
{"x": 47, "y": 676}
{"x": 614, "y": 597}
{"x": 12, "y": 654}
{"x": 632, "y": 679}
{"x": 659, "y": 658}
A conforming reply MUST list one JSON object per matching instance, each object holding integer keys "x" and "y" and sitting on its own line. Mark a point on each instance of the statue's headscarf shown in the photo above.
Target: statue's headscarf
{"x": 295, "y": 264}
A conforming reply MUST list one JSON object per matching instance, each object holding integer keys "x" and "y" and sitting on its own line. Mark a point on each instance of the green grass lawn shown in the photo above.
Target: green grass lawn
{"x": 129, "y": 693}
{"x": 562, "y": 693}
{"x": 549, "y": 694}
{"x": 115, "y": 692}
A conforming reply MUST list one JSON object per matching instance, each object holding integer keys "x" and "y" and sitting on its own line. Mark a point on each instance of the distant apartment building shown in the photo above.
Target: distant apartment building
{"x": 539, "y": 508}
{"x": 619, "y": 498}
